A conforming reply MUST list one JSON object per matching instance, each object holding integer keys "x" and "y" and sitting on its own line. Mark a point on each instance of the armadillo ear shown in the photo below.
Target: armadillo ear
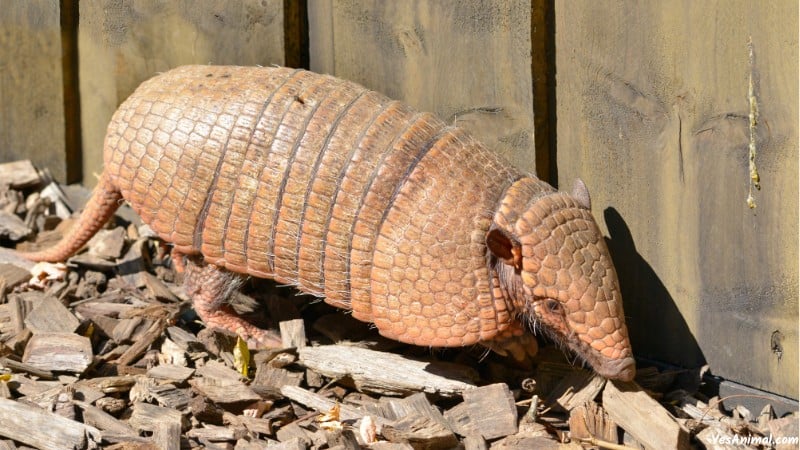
{"x": 504, "y": 247}
{"x": 581, "y": 194}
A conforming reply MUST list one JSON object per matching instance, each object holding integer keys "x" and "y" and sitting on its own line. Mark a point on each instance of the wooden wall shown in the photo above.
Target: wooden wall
{"x": 653, "y": 113}
{"x": 646, "y": 101}
{"x": 469, "y": 62}
{"x": 31, "y": 85}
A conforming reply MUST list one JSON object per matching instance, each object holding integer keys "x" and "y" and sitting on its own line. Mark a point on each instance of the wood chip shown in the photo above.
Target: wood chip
{"x": 59, "y": 352}
{"x": 12, "y": 227}
{"x": 324, "y": 404}
{"x": 8, "y": 256}
{"x": 51, "y": 316}
{"x": 17, "y": 366}
{"x": 130, "y": 330}
{"x": 718, "y": 437}
{"x": 156, "y": 289}
{"x": 293, "y": 333}
{"x": 108, "y": 244}
{"x": 420, "y": 432}
{"x": 222, "y": 385}
{"x": 785, "y": 428}
{"x": 574, "y": 390}
{"x": 12, "y": 276}
{"x": 270, "y": 379}
{"x": 413, "y": 405}
{"x": 104, "y": 421}
{"x": 20, "y": 174}
{"x": 532, "y": 442}
{"x": 140, "y": 346}
{"x": 644, "y": 418}
{"x": 215, "y": 433}
{"x": 147, "y": 417}
{"x": 167, "y": 435}
{"x": 384, "y": 373}
{"x": 42, "y": 429}
{"x": 488, "y": 411}
{"x": 169, "y": 372}
{"x": 590, "y": 422}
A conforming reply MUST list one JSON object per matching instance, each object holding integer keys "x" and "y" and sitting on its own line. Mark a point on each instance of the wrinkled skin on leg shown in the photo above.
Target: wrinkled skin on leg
{"x": 210, "y": 288}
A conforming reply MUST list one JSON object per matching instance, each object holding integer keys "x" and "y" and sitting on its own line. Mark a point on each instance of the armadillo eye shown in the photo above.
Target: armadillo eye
{"x": 552, "y": 305}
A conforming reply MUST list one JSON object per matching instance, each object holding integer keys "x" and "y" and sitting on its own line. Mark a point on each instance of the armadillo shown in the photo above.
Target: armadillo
{"x": 317, "y": 182}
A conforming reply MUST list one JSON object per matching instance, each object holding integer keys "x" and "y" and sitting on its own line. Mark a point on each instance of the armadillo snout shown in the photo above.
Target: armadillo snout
{"x": 600, "y": 334}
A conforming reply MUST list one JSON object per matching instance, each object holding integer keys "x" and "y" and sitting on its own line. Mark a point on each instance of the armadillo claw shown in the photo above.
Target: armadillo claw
{"x": 521, "y": 347}
{"x": 264, "y": 339}
{"x": 226, "y": 319}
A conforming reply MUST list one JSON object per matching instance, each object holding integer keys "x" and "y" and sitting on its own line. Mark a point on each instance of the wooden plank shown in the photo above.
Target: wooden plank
{"x": 653, "y": 113}
{"x": 31, "y": 85}
{"x": 469, "y": 61}
{"x": 133, "y": 41}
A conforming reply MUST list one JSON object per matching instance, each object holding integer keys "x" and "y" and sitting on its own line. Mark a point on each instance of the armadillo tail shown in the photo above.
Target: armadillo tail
{"x": 100, "y": 207}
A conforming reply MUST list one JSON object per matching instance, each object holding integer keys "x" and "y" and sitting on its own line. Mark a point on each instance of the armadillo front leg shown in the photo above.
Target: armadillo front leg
{"x": 210, "y": 287}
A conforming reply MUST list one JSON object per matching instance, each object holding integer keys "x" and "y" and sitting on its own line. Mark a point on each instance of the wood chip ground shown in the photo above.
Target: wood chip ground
{"x": 106, "y": 352}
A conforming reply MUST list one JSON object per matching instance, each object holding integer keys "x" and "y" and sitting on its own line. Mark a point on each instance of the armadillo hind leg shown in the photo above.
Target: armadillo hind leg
{"x": 210, "y": 287}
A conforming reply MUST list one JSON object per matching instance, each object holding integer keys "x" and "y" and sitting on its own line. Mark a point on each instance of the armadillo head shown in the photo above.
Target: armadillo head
{"x": 554, "y": 268}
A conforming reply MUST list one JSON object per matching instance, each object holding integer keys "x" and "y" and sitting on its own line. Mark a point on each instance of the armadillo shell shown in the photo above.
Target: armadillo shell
{"x": 321, "y": 183}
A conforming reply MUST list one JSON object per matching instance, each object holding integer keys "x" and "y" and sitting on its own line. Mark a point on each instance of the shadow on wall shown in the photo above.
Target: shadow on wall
{"x": 657, "y": 329}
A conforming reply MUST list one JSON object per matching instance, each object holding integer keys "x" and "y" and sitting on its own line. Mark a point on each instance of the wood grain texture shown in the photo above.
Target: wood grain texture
{"x": 653, "y": 113}
{"x": 385, "y": 373}
{"x": 467, "y": 61}
{"x": 124, "y": 43}
{"x": 644, "y": 418}
{"x": 43, "y": 429}
{"x": 31, "y": 92}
